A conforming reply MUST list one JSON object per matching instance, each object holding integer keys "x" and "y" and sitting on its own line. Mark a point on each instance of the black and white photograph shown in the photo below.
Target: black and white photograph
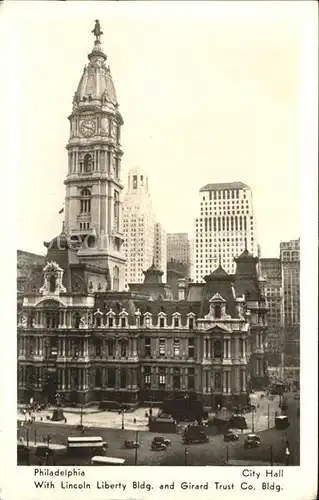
{"x": 159, "y": 243}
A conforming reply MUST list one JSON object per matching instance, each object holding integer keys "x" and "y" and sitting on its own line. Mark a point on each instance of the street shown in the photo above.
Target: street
{"x": 215, "y": 452}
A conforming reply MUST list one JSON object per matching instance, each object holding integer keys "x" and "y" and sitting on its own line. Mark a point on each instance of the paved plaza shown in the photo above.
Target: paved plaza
{"x": 138, "y": 421}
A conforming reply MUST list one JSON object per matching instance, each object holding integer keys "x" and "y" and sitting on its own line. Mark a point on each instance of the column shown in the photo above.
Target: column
{"x": 205, "y": 353}
{"x": 224, "y": 382}
{"x": 229, "y": 348}
{"x": 237, "y": 351}
{"x": 229, "y": 382}
{"x": 244, "y": 348}
{"x": 86, "y": 347}
{"x": 63, "y": 378}
{"x": 209, "y": 342}
{"x": 244, "y": 380}
{"x": 63, "y": 347}
{"x": 224, "y": 349}
{"x": 134, "y": 347}
{"x": 79, "y": 379}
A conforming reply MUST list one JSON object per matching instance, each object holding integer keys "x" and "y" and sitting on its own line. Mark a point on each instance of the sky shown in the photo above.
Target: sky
{"x": 208, "y": 94}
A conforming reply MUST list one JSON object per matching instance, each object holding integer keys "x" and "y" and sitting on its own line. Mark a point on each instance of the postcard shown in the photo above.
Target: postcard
{"x": 160, "y": 270}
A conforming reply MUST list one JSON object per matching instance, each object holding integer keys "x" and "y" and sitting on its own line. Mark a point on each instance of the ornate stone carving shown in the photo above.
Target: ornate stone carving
{"x": 53, "y": 275}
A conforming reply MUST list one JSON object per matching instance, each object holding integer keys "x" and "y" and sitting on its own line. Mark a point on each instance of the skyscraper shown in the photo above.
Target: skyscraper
{"x": 224, "y": 227}
{"x": 138, "y": 226}
{"x": 290, "y": 260}
{"x": 178, "y": 248}
{"x": 160, "y": 248}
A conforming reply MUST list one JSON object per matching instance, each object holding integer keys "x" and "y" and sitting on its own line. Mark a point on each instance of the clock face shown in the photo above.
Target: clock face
{"x": 87, "y": 128}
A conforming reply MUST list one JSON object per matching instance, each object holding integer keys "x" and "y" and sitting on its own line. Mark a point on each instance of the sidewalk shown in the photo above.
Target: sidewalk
{"x": 260, "y": 417}
{"x": 108, "y": 419}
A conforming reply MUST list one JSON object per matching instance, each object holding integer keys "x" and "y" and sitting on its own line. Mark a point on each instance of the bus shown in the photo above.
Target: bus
{"x": 108, "y": 461}
{"x": 87, "y": 444}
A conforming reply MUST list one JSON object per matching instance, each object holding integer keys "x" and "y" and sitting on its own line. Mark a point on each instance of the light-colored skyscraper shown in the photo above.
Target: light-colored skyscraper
{"x": 138, "y": 226}
{"x": 144, "y": 239}
{"x": 290, "y": 261}
{"x": 160, "y": 249}
{"x": 225, "y": 226}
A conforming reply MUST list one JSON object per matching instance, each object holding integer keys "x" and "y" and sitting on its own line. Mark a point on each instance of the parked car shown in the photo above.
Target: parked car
{"x": 23, "y": 452}
{"x": 160, "y": 439}
{"x": 297, "y": 397}
{"x": 252, "y": 441}
{"x": 156, "y": 446}
{"x": 130, "y": 444}
{"x": 231, "y": 436}
{"x": 282, "y": 422}
{"x": 194, "y": 434}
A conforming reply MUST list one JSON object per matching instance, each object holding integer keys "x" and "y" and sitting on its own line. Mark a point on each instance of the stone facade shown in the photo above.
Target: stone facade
{"x": 139, "y": 345}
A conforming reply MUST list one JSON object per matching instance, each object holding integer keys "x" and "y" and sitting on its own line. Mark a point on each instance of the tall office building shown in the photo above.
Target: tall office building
{"x": 144, "y": 238}
{"x": 178, "y": 248}
{"x": 271, "y": 272}
{"x": 225, "y": 226}
{"x": 290, "y": 261}
{"x": 138, "y": 226}
{"x": 160, "y": 248}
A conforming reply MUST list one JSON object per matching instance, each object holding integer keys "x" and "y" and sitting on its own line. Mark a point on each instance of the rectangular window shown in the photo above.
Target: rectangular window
{"x": 161, "y": 324}
{"x": 162, "y": 377}
{"x": 123, "y": 322}
{"x": 110, "y": 348}
{"x": 123, "y": 349}
{"x": 191, "y": 348}
{"x": 176, "y": 347}
{"x": 162, "y": 347}
{"x": 176, "y": 322}
{"x": 177, "y": 378}
{"x": 147, "y": 346}
{"x": 147, "y": 376}
{"x": 191, "y": 379}
{"x": 111, "y": 377}
{"x": 110, "y": 322}
{"x": 123, "y": 379}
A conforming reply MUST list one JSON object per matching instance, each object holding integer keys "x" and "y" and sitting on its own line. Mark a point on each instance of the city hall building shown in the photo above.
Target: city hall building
{"x": 82, "y": 334}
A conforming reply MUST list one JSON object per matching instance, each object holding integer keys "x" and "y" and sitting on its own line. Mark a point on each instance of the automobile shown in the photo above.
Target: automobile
{"x": 231, "y": 436}
{"x": 297, "y": 397}
{"x": 282, "y": 422}
{"x": 252, "y": 441}
{"x": 160, "y": 439}
{"x": 156, "y": 446}
{"x": 194, "y": 434}
{"x": 23, "y": 452}
{"x": 131, "y": 444}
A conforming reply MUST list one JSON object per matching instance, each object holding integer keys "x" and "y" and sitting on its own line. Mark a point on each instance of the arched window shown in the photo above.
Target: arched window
{"x": 85, "y": 201}
{"x": 218, "y": 351}
{"x": 52, "y": 283}
{"x": 116, "y": 278}
{"x": 88, "y": 163}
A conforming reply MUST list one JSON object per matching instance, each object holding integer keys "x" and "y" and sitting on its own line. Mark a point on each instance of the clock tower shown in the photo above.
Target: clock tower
{"x": 93, "y": 185}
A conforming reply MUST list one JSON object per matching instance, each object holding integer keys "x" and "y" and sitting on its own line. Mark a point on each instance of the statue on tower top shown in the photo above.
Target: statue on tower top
{"x": 97, "y": 30}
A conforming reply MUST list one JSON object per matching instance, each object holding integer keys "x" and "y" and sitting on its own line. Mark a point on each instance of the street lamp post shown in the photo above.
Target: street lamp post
{"x": 185, "y": 456}
{"x": 268, "y": 415}
{"x": 252, "y": 420}
{"x": 136, "y": 446}
{"x": 122, "y": 419}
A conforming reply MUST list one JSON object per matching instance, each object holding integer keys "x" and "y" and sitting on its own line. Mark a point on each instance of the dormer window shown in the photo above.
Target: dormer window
{"x": 52, "y": 284}
{"x": 123, "y": 322}
{"x": 161, "y": 321}
{"x": 218, "y": 311}
{"x": 147, "y": 320}
{"x": 111, "y": 322}
{"x": 191, "y": 323}
{"x": 176, "y": 322}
